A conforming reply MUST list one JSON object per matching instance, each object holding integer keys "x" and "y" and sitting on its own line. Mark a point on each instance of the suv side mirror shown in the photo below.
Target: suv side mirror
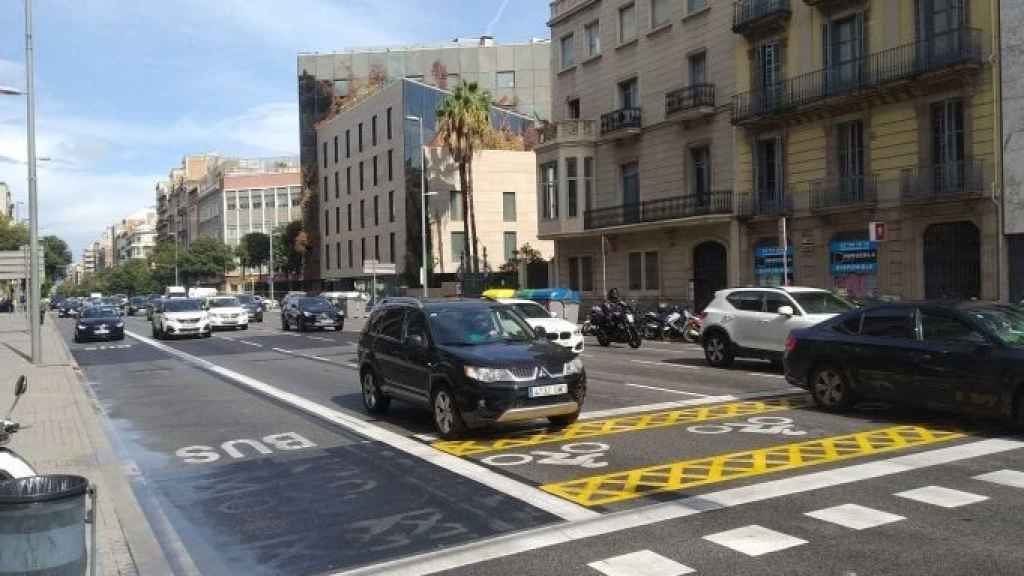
{"x": 417, "y": 341}
{"x": 540, "y": 331}
{"x": 786, "y": 310}
{"x": 21, "y": 386}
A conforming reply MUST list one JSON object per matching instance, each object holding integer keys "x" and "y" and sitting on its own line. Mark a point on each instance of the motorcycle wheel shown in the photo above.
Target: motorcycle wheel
{"x": 634, "y": 339}
{"x": 602, "y": 339}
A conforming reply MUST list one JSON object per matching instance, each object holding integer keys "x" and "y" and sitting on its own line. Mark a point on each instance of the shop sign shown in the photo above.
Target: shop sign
{"x": 854, "y": 257}
{"x": 768, "y": 261}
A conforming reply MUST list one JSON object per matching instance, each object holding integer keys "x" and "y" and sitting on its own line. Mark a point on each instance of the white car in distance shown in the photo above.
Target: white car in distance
{"x": 555, "y": 329}
{"x": 227, "y": 312}
{"x": 180, "y": 317}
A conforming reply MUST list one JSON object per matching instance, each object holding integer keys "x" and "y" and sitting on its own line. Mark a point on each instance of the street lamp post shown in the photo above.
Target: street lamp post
{"x": 423, "y": 200}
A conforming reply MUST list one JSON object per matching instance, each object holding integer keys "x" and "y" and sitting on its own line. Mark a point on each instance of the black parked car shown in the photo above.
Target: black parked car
{"x": 309, "y": 313}
{"x": 965, "y": 357}
{"x": 71, "y": 308}
{"x": 252, "y": 306}
{"x": 100, "y": 323}
{"x": 472, "y": 362}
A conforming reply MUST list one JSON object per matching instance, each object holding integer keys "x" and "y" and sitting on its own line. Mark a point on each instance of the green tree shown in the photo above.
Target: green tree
{"x": 257, "y": 248}
{"x": 56, "y": 257}
{"x": 161, "y": 262}
{"x": 12, "y": 234}
{"x": 463, "y": 120}
{"x": 132, "y": 277}
{"x": 526, "y": 254}
{"x": 206, "y": 258}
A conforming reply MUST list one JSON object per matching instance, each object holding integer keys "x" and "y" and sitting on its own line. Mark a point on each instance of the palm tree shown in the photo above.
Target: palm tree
{"x": 463, "y": 119}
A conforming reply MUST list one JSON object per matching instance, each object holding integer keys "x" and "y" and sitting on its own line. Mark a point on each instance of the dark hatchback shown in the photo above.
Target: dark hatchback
{"x": 310, "y": 313}
{"x": 100, "y": 323}
{"x": 965, "y": 357}
{"x": 71, "y": 308}
{"x": 471, "y": 362}
{"x": 251, "y": 306}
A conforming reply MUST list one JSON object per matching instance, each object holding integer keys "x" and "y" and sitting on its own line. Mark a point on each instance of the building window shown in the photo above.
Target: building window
{"x": 325, "y": 154}
{"x": 348, "y": 143}
{"x": 335, "y": 149}
{"x": 361, "y": 179}
{"x": 341, "y": 87}
{"x": 698, "y": 68}
{"x": 507, "y": 79}
{"x": 376, "y": 247}
{"x": 661, "y": 12}
{"x": 700, "y": 170}
{"x": 651, "y": 280}
{"x": 508, "y": 206}
{"x": 631, "y": 190}
{"x": 373, "y": 130}
{"x": 391, "y": 205}
{"x": 362, "y": 214}
{"x": 327, "y": 222}
{"x": 362, "y": 250}
{"x": 350, "y": 253}
{"x": 327, "y": 256}
{"x": 571, "y": 177}
{"x": 510, "y": 246}
{"x": 948, "y": 149}
{"x": 337, "y": 185}
{"x": 391, "y": 165}
{"x": 376, "y": 210}
{"x": 549, "y": 191}
{"x": 455, "y": 206}
{"x": 587, "y": 274}
{"x": 359, "y": 137}
{"x": 588, "y": 183}
{"x": 768, "y": 175}
{"x": 348, "y": 179}
{"x": 375, "y": 171}
{"x": 568, "y": 51}
{"x": 643, "y": 271}
{"x": 592, "y": 38}
{"x": 573, "y": 109}
{"x": 391, "y": 247}
{"x": 325, "y": 189}
{"x": 695, "y": 5}
{"x": 574, "y": 274}
{"x": 337, "y": 219}
{"x": 627, "y": 23}
{"x": 850, "y": 160}
{"x": 337, "y": 255}
{"x": 458, "y": 244}
{"x": 388, "y": 122}
{"x": 629, "y": 94}
{"x": 350, "y": 217}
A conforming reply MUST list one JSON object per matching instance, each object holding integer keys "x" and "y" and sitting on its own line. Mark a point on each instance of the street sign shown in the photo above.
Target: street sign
{"x": 378, "y": 268}
{"x": 14, "y": 264}
{"x": 876, "y": 231}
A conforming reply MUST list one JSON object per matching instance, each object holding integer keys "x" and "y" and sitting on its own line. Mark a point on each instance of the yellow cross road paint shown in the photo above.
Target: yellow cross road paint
{"x": 620, "y": 486}
{"x": 632, "y": 423}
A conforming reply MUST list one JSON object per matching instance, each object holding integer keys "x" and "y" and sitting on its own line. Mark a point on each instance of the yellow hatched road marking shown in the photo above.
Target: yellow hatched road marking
{"x": 630, "y": 484}
{"x": 632, "y": 423}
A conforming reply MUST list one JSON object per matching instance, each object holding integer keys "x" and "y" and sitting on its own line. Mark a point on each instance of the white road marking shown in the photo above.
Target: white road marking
{"x": 755, "y": 540}
{"x": 320, "y": 338}
{"x": 426, "y": 437}
{"x": 943, "y": 497}
{"x": 854, "y": 516}
{"x": 642, "y": 563}
{"x": 669, "y": 390}
{"x": 527, "y": 494}
{"x": 610, "y": 412}
{"x": 247, "y": 343}
{"x": 1011, "y": 478}
{"x": 314, "y": 357}
{"x": 562, "y": 533}
{"x": 763, "y": 375}
{"x": 666, "y": 364}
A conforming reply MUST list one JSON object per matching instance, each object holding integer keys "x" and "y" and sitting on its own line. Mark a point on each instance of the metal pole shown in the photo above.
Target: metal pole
{"x": 271, "y": 264}
{"x": 423, "y": 217}
{"x": 33, "y": 204}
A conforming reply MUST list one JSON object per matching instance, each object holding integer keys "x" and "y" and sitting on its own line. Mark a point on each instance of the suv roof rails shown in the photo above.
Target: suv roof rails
{"x": 401, "y": 300}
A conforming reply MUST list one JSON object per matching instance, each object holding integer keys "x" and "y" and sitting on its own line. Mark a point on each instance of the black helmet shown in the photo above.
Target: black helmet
{"x": 613, "y": 294}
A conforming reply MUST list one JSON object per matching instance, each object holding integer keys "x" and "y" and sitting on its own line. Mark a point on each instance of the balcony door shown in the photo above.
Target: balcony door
{"x": 768, "y": 72}
{"x": 844, "y": 52}
{"x": 948, "y": 145}
{"x": 850, "y": 161}
{"x": 630, "y": 193}
{"x": 629, "y": 95}
{"x": 939, "y": 23}
{"x": 768, "y": 177}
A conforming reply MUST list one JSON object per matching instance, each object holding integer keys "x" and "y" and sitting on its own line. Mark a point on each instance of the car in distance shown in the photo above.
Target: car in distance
{"x": 310, "y": 313}
{"x": 136, "y": 304}
{"x": 226, "y": 312}
{"x": 70, "y": 309}
{"x": 546, "y": 324}
{"x": 966, "y": 357}
{"x": 180, "y": 317}
{"x": 754, "y": 322}
{"x": 100, "y": 323}
{"x": 470, "y": 362}
{"x": 253, "y": 307}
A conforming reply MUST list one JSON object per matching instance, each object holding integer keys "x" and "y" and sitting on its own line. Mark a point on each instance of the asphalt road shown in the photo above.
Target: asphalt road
{"x": 252, "y": 454}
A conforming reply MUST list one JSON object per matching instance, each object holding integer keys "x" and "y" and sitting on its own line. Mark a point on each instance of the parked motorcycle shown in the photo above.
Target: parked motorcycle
{"x": 671, "y": 323}
{"x": 13, "y": 466}
{"x": 614, "y": 322}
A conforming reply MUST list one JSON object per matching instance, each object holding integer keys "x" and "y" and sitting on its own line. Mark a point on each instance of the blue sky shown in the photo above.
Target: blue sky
{"x": 125, "y": 88}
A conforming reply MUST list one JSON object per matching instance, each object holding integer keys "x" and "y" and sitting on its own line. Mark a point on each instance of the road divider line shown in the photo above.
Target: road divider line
{"x": 247, "y": 343}
{"x": 320, "y": 338}
{"x": 498, "y": 482}
{"x": 627, "y": 410}
{"x": 567, "y": 532}
{"x": 666, "y": 364}
{"x": 668, "y": 390}
{"x": 606, "y": 489}
{"x": 635, "y": 423}
{"x": 298, "y": 354}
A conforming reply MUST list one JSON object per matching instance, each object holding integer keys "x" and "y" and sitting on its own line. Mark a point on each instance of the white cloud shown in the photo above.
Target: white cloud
{"x": 12, "y": 74}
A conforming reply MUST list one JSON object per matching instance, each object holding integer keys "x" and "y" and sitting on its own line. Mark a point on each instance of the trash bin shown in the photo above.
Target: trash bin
{"x": 42, "y": 525}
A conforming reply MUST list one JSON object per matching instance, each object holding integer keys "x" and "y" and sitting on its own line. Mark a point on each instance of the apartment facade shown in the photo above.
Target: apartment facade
{"x": 6, "y": 201}
{"x": 135, "y": 236}
{"x": 177, "y": 199}
{"x": 636, "y": 167}
{"x": 516, "y": 74}
{"x": 857, "y": 112}
{"x": 370, "y": 204}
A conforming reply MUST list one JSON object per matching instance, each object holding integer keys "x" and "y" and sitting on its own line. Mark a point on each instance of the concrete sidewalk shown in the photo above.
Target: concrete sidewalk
{"x": 67, "y": 434}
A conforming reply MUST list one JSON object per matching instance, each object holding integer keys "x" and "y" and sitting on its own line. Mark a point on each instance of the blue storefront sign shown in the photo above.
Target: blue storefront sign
{"x": 768, "y": 263}
{"x": 853, "y": 257}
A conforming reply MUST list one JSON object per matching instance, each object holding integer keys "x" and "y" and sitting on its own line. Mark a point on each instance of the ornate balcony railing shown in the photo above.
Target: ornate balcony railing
{"x": 765, "y": 203}
{"x": 715, "y": 202}
{"x": 946, "y": 181}
{"x": 690, "y": 97}
{"x": 748, "y": 14}
{"x": 620, "y": 119}
{"x": 843, "y": 192}
{"x": 959, "y": 47}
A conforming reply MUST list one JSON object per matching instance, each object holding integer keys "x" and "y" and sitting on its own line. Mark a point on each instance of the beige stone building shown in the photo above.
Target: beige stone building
{"x": 636, "y": 170}
{"x": 370, "y": 204}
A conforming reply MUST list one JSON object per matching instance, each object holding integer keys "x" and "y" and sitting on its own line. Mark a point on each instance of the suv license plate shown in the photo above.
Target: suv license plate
{"x": 552, "y": 390}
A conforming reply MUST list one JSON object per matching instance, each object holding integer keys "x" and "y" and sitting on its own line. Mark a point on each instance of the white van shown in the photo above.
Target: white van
{"x": 174, "y": 292}
{"x": 201, "y": 293}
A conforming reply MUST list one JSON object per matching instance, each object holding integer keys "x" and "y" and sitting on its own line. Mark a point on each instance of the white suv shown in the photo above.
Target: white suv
{"x": 755, "y": 322}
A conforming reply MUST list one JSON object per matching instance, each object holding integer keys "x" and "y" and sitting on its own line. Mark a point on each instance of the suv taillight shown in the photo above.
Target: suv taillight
{"x": 790, "y": 343}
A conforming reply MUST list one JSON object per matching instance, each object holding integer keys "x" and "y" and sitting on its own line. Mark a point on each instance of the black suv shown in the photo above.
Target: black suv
{"x": 472, "y": 362}
{"x": 310, "y": 312}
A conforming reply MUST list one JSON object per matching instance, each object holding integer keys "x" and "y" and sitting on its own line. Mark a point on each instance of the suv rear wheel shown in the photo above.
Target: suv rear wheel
{"x": 718, "y": 350}
{"x": 374, "y": 400}
{"x": 447, "y": 418}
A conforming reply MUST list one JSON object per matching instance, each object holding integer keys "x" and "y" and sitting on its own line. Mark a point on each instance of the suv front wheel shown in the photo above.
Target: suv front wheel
{"x": 718, "y": 349}
{"x": 374, "y": 400}
{"x": 447, "y": 418}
